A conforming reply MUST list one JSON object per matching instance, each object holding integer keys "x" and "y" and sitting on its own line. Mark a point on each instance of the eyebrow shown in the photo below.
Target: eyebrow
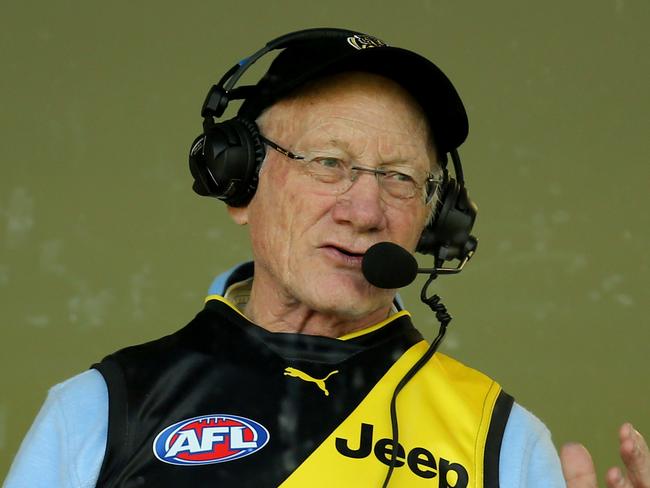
{"x": 329, "y": 143}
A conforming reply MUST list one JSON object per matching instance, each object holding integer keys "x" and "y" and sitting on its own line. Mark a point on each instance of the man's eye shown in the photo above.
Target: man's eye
{"x": 330, "y": 163}
{"x": 400, "y": 177}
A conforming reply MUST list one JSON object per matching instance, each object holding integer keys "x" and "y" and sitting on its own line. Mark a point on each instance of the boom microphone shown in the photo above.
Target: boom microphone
{"x": 387, "y": 265}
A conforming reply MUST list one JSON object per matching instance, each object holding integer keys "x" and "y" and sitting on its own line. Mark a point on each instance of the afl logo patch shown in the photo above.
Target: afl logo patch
{"x": 209, "y": 439}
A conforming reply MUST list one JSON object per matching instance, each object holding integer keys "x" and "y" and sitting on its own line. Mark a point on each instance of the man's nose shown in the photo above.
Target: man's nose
{"x": 361, "y": 205}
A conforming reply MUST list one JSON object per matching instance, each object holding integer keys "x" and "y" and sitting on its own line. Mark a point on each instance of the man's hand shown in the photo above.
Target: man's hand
{"x": 579, "y": 471}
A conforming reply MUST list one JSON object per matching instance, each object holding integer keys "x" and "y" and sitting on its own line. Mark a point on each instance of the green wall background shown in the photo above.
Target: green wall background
{"x": 103, "y": 244}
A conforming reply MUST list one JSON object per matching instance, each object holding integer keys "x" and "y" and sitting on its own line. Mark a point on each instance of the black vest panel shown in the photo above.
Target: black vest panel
{"x": 221, "y": 364}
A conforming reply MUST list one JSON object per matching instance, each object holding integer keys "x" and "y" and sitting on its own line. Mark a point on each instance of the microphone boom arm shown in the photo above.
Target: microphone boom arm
{"x": 442, "y": 270}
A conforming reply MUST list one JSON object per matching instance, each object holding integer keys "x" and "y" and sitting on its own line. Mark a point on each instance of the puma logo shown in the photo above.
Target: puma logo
{"x": 296, "y": 373}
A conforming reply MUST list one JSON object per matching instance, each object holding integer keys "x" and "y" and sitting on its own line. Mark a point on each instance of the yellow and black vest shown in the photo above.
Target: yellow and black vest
{"x": 223, "y": 402}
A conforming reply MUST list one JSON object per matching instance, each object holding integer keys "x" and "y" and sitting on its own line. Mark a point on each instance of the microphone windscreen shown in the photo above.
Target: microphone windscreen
{"x": 387, "y": 265}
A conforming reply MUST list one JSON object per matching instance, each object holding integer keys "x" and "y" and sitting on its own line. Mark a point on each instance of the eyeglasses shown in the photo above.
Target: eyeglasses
{"x": 337, "y": 175}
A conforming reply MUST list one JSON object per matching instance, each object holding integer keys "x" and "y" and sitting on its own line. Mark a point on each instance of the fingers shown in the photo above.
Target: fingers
{"x": 579, "y": 471}
{"x": 636, "y": 457}
{"x": 615, "y": 479}
{"x": 577, "y": 467}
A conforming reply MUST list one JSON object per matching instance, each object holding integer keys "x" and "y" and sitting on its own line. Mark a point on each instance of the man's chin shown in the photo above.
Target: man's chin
{"x": 350, "y": 297}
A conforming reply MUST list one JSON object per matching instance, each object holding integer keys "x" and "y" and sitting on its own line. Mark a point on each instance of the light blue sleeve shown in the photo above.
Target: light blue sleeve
{"x": 528, "y": 457}
{"x": 65, "y": 445}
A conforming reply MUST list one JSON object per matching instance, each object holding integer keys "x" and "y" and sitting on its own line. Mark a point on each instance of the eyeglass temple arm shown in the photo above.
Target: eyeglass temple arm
{"x": 280, "y": 149}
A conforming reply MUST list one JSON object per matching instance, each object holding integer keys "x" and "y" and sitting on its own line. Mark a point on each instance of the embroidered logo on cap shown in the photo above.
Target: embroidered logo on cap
{"x": 209, "y": 439}
{"x": 364, "y": 42}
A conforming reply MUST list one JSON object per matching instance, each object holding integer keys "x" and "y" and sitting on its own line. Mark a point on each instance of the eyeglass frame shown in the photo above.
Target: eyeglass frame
{"x": 431, "y": 183}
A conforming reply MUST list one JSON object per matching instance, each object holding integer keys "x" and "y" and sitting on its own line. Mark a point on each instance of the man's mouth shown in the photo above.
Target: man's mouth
{"x": 349, "y": 253}
{"x": 343, "y": 255}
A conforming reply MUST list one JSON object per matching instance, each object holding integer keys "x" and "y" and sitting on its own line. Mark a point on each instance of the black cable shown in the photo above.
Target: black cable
{"x": 444, "y": 318}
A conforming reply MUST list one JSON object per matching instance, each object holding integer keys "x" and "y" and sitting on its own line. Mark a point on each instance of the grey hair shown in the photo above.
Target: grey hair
{"x": 438, "y": 174}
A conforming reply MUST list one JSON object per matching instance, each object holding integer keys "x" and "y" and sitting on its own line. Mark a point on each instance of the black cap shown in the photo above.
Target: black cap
{"x": 318, "y": 57}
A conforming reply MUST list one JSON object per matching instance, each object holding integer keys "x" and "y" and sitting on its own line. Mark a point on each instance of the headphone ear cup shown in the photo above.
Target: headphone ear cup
{"x": 225, "y": 161}
{"x": 447, "y": 236}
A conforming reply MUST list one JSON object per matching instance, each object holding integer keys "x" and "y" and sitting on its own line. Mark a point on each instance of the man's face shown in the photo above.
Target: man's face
{"x": 307, "y": 242}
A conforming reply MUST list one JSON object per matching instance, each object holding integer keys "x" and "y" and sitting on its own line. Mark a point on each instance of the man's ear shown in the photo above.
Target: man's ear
{"x": 239, "y": 214}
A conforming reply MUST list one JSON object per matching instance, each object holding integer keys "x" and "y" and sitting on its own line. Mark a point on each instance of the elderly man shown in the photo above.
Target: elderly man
{"x": 285, "y": 378}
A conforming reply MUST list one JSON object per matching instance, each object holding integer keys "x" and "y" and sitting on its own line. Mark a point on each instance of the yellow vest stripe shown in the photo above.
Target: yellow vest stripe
{"x": 444, "y": 416}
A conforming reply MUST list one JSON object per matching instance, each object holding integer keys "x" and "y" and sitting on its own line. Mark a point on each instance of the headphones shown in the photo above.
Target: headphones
{"x": 225, "y": 159}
